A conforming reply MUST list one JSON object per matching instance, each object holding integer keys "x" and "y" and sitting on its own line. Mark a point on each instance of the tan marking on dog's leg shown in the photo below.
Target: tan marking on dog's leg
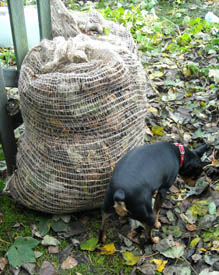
{"x": 120, "y": 208}
{"x": 157, "y": 205}
{"x": 148, "y": 234}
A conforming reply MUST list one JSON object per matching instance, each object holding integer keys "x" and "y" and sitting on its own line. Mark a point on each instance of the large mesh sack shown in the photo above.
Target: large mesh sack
{"x": 83, "y": 105}
{"x": 68, "y": 23}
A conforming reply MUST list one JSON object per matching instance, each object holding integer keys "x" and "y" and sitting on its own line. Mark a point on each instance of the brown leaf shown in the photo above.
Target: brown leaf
{"x": 69, "y": 263}
{"x": 47, "y": 269}
{"x": 53, "y": 249}
{"x": 3, "y": 262}
{"x": 191, "y": 227}
{"x": 174, "y": 189}
{"x": 131, "y": 236}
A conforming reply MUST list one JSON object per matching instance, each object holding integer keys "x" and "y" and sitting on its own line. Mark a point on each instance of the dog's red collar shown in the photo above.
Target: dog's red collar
{"x": 182, "y": 153}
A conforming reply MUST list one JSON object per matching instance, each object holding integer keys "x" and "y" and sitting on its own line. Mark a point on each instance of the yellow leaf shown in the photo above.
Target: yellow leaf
{"x": 159, "y": 263}
{"x": 156, "y": 75}
{"x": 152, "y": 110}
{"x": 130, "y": 258}
{"x": 203, "y": 249}
{"x": 194, "y": 242}
{"x": 215, "y": 163}
{"x": 108, "y": 249}
{"x": 157, "y": 130}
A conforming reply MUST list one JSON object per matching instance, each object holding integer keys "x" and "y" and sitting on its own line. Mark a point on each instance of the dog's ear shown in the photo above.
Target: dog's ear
{"x": 200, "y": 150}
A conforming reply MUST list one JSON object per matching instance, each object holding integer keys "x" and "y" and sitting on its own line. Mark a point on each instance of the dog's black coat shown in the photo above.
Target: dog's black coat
{"x": 144, "y": 170}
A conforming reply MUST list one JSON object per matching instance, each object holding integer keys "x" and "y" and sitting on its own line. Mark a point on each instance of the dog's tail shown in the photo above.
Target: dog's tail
{"x": 119, "y": 195}
{"x": 119, "y": 205}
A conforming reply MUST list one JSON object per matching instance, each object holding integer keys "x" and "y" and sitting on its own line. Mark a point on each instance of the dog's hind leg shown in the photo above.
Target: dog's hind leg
{"x": 149, "y": 222}
{"x": 161, "y": 194}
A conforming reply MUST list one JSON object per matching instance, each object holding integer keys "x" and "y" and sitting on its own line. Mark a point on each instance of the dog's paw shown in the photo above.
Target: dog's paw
{"x": 157, "y": 225}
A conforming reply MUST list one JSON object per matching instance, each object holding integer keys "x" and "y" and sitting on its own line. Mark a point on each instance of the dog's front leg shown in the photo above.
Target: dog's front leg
{"x": 148, "y": 234}
{"x": 102, "y": 233}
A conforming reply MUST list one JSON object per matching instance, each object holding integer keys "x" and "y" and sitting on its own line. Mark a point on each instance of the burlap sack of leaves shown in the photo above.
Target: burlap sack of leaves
{"x": 83, "y": 105}
{"x": 69, "y": 23}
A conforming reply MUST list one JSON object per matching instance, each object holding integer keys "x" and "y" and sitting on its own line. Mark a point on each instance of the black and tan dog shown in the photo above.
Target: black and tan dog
{"x": 142, "y": 172}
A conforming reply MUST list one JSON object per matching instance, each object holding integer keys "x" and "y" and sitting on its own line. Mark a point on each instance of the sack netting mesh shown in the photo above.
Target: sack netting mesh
{"x": 70, "y": 23}
{"x": 83, "y": 103}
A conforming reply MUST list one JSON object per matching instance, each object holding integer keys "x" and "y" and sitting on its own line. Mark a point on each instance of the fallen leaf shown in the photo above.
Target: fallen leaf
{"x": 215, "y": 246}
{"x": 44, "y": 225}
{"x": 38, "y": 254}
{"x": 53, "y": 249}
{"x": 210, "y": 258}
{"x": 212, "y": 208}
{"x": 203, "y": 249}
{"x": 30, "y": 268}
{"x": 108, "y": 249}
{"x": 194, "y": 242}
{"x": 49, "y": 240}
{"x": 191, "y": 227}
{"x": 196, "y": 257}
{"x": 130, "y": 258}
{"x": 21, "y": 251}
{"x": 215, "y": 74}
{"x": 74, "y": 228}
{"x": 159, "y": 263}
{"x": 157, "y": 130}
{"x": 69, "y": 263}
{"x": 3, "y": 262}
{"x": 59, "y": 226}
{"x": 89, "y": 245}
{"x": 174, "y": 252}
{"x": 147, "y": 268}
{"x": 47, "y": 269}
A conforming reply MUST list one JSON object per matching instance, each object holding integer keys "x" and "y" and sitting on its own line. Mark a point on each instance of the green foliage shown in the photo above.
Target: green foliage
{"x": 7, "y": 56}
{"x": 21, "y": 251}
{"x": 44, "y": 225}
{"x": 89, "y": 245}
{"x": 211, "y": 235}
{"x": 200, "y": 208}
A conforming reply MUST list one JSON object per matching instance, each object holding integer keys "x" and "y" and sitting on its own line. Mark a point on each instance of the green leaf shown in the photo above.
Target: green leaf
{"x": 198, "y": 134}
{"x": 89, "y": 245}
{"x": 27, "y": 242}
{"x": 44, "y": 225}
{"x": 200, "y": 208}
{"x": 211, "y": 235}
{"x": 212, "y": 208}
{"x": 21, "y": 251}
{"x": 174, "y": 252}
{"x": 172, "y": 230}
{"x": 130, "y": 258}
{"x": 59, "y": 226}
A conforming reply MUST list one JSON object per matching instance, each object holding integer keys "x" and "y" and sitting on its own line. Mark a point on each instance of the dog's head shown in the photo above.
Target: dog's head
{"x": 193, "y": 165}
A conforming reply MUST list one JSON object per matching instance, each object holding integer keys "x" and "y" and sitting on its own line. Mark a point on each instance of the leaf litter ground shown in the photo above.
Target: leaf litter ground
{"x": 181, "y": 62}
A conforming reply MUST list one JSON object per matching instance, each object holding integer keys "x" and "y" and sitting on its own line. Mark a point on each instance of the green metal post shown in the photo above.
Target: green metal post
{"x": 18, "y": 27}
{"x": 44, "y": 17}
